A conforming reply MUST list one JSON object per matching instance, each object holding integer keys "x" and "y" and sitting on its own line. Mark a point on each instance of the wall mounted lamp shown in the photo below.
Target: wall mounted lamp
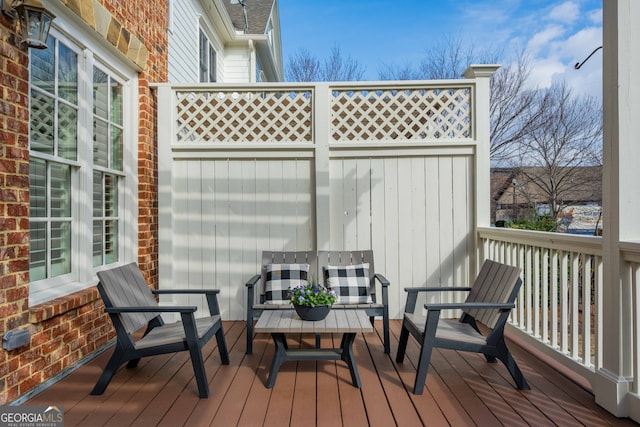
{"x": 35, "y": 21}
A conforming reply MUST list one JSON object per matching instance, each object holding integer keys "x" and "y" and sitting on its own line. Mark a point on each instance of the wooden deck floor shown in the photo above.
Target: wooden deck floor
{"x": 462, "y": 389}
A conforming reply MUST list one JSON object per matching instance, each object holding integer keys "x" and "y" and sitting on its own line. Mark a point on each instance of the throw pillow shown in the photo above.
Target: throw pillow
{"x": 350, "y": 282}
{"x": 280, "y": 277}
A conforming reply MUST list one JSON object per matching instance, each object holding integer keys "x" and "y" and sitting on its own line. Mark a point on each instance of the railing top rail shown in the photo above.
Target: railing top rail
{"x": 591, "y": 245}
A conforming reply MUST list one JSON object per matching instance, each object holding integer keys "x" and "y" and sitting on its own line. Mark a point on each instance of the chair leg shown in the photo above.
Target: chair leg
{"x": 117, "y": 359}
{"x": 423, "y": 367}
{"x": 198, "y": 369}
{"x": 249, "y": 334}
{"x": 222, "y": 346}
{"x": 402, "y": 344}
{"x": 504, "y": 355}
{"x": 385, "y": 331}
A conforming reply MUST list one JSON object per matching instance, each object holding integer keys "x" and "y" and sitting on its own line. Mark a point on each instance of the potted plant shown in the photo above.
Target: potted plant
{"x": 312, "y": 301}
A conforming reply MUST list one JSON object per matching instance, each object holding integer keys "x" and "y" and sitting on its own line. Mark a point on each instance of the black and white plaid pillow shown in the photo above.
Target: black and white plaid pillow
{"x": 281, "y": 277}
{"x": 350, "y": 282}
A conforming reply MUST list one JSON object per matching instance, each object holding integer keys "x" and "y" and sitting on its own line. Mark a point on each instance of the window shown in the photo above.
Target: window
{"x": 77, "y": 171}
{"x": 207, "y": 60}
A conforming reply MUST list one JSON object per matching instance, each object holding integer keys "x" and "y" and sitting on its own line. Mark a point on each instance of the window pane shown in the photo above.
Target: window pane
{"x": 111, "y": 242}
{"x": 37, "y": 188}
{"x": 110, "y": 196}
{"x": 41, "y": 122}
{"x": 100, "y": 93}
{"x": 60, "y": 191}
{"x": 42, "y": 66}
{"x": 67, "y": 131}
{"x": 203, "y": 57}
{"x": 116, "y": 148}
{"x": 97, "y": 194}
{"x": 116, "y": 102}
{"x": 100, "y": 143}
{"x": 67, "y": 74}
{"x": 97, "y": 243}
{"x": 212, "y": 64}
{"x": 60, "y": 248}
{"x": 37, "y": 251}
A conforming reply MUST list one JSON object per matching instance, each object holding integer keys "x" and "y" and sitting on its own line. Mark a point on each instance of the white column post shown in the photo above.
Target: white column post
{"x": 166, "y": 134}
{"x": 482, "y": 135}
{"x": 620, "y": 196}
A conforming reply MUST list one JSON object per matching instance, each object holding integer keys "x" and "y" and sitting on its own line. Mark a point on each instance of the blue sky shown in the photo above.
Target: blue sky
{"x": 556, "y": 34}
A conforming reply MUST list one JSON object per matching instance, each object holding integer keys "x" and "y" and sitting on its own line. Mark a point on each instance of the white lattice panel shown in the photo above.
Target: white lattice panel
{"x": 401, "y": 114}
{"x": 251, "y": 116}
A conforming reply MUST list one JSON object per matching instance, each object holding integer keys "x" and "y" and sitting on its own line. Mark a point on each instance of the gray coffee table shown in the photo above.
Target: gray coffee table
{"x": 281, "y": 322}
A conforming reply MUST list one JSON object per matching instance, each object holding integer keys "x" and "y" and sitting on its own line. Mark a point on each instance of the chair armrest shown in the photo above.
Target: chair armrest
{"x": 251, "y": 295}
{"x": 478, "y": 305}
{"x": 412, "y": 294}
{"x": 383, "y": 280}
{"x": 147, "y": 309}
{"x": 187, "y": 291}
{"x": 211, "y": 294}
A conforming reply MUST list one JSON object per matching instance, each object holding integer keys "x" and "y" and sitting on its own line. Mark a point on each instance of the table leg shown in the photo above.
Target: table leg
{"x": 278, "y": 357}
{"x": 349, "y": 357}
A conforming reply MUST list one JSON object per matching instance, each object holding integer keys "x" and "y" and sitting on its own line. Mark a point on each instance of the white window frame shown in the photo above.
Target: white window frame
{"x": 92, "y": 52}
{"x": 210, "y": 46}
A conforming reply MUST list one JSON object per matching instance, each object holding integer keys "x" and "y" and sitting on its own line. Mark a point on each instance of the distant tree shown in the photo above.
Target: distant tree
{"x": 565, "y": 137}
{"x": 304, "y": 67}
{"x": 512, "y": 109}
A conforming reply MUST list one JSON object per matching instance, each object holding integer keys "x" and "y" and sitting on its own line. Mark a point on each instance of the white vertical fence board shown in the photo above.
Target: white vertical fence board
{"x": 237, "y": 237}
{"x": 222, "y": 234}
{"x": 336, "y": 198}
{"x": 249, "y": 235}
{"x": 349, "y": 204}
{"x": 390, "y": 229}
{"x": 363, "y": 185}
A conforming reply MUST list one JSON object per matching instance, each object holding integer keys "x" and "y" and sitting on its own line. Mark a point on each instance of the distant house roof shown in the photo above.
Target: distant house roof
{"x": 258, "y": 12}
{"x": 584, "y": 186}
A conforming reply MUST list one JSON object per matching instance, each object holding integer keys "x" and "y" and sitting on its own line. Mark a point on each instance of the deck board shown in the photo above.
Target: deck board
{"x": 462, "y": 389}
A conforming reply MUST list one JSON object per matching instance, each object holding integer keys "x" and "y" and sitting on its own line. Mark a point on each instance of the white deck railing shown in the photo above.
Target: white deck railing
{"x": 560, "y": 304}
{"x": 631, "y": 256}
{"x": 559, "y": 309}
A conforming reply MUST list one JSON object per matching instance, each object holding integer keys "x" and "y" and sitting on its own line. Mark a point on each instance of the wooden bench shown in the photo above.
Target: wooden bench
{"x": 256, "y": 295}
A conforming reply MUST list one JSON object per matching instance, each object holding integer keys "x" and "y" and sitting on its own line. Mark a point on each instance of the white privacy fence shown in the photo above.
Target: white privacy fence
{"x": 389, "y": 167}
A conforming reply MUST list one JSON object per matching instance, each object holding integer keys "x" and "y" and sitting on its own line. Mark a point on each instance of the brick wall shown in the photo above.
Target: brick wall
{"x": 67, "y": 329}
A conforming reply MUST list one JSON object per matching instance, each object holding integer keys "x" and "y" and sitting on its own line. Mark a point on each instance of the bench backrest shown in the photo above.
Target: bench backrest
{"x": 317, "y": 260}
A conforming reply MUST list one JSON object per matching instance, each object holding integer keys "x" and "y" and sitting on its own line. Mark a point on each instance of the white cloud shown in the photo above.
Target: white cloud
{"x": 539, "y": 42}
{"x": 567, "y": 12}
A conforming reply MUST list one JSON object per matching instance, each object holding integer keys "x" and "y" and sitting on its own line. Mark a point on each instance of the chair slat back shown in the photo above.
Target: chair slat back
{"x": 300, "y": 257}
{"x": 125, "y": 286}
{"x": 498, "y": 283}
{"x": 343, "y": 258}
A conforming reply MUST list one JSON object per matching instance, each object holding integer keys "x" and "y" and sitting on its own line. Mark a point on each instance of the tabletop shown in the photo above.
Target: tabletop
{"x": 338, "y": 321}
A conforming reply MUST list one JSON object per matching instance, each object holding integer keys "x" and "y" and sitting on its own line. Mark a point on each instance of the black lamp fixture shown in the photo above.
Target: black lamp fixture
{"x": 35, "y": 21}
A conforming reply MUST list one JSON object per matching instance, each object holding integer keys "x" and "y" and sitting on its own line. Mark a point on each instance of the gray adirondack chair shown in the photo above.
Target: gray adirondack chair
{"x": 131, "y": 305}
{"x": 256, "y": 286}
{"x": 489, "y": 302}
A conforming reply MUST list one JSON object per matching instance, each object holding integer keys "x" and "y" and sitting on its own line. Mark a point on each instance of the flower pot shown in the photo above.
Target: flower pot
{"x": 317, "y": 312}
